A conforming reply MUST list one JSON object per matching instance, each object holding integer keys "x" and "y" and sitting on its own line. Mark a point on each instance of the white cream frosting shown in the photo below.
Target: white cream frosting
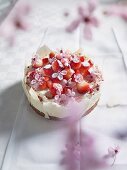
{"x": 51, "y": 108}
{"x": 48, "y": 106}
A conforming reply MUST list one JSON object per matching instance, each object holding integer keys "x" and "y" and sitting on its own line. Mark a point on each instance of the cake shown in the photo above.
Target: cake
{"x": 53, "y": 78}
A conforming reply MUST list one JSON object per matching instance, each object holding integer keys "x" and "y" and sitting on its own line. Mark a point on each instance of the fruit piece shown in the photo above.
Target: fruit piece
{"x": 58, "y": 56}
{"x": 69, "y": 74}
{"x": 82, "y": 58}
{"x": 31, "y": 75}
{"x": 42, "y": 86}
{"x": 47, "y": 70}
{"x": 75, "y": 66}
{"x": 46, "y": 79}
{"x": 83, "y": 87}
{"x": 49, "y": 84}
{"x": 65, "y": 90}
{"x": 53, "y": 91}
{"x": 55, "y": 66}
{"x": 84, "y": 71}
{"x": 91, "y": 63}
{"x": 45, "y": 61}
{"x": 51, "y": 55}
{"x": 55, "y": 80}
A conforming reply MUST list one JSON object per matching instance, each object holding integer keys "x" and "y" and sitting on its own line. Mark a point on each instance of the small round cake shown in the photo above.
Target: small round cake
{"x": 54, "y": 78}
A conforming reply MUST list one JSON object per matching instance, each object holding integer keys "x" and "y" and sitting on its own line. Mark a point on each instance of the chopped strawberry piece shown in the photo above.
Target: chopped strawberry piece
{"x": 65, "y": 90}
{"x": 69, "y": 74}
{"x": 91, "y": 63}
{"x": 51, "y": 55}
{"x": 47, "y": 71}
{"x": 31, "y": 75}
{"x": 49, "y": 84}
{"x": 84, "y": 71}
{"x": 83, "y": 87}
{"x": 46, "y": 79}
{"x": 82, "y": 58}
{"x": 45, "y": 61}
{"x": 55, "y": 66}
{"x": 77, "y": 72}
{"x": 55, "y": 80}
{"x": 75, "y": 66}
{"x": 58, "y": 56}
{"x": 42, "y": 86}
{"x": 53, "y": 91}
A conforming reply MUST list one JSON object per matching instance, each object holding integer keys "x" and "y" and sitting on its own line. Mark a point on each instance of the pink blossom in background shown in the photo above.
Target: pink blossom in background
{"x": 117, "y": 10}
{"x": 85, "y": 17}
{"x": 17, "y": 20}
{"x": 80, "y": 152}
{"x": 112, "y": 153}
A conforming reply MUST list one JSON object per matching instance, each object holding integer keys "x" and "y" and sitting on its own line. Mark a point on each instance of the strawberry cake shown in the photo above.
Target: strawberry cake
{"x": 53, "y": 78}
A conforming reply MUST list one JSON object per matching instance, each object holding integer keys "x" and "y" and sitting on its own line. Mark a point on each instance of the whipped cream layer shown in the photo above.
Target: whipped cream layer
{"x": 53, "y": 109}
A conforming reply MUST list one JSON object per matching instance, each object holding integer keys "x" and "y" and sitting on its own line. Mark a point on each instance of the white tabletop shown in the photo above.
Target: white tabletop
{"x": 24, "y": 136}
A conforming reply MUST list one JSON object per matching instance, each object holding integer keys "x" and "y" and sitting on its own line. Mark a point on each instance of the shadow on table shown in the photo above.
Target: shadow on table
{"x": 9, "y": 103}
{"x": 32, "y": 124}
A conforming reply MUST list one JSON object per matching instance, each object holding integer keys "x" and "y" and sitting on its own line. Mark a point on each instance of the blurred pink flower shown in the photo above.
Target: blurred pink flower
{"x": 86, "y": 17}
{"x": 80, "y": 152}
{"x": 15, "y": 21}
{"x": 117, "y": 10}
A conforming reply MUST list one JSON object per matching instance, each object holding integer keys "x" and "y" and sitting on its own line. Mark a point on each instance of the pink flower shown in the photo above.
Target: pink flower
{"x": 86, "y": 17}
{"x": 61, "y": 98}
{"x": 14, "y": 22}
{"x": 117, "y": 10}
{"x": 78, "y": 78}
{"x": 70, "y": 93}
{"x": 59, "y": 74}
{"x": 80, "y": 152}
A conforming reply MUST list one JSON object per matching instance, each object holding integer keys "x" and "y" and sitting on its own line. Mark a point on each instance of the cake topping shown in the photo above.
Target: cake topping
{"x": 63, "y": 75}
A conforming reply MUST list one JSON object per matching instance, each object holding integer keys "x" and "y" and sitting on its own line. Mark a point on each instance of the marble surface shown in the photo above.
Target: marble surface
{"x": 23, "y": 133}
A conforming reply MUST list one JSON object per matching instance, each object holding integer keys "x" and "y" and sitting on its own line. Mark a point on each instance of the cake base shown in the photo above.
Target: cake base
{"x": 56, "y": 118}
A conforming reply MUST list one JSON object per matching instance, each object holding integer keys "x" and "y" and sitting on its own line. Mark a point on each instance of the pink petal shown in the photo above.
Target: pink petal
{"x": 87, "y": 32}
{"x": 54, "y": 75}
{"x": 92, "y": 4}
{"x": 73, "y": 25}
{"x": 124, "y": 15}
{"x": 83, "y": 11}
{"x": 94, "y": 21}
{"x": 111, "y": 152}
{"x": 63, "y": 72}
{"x": 60, "y": 76}
{"x": 117, "y": 10}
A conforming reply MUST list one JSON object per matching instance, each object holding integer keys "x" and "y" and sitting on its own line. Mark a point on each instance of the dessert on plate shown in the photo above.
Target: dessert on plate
{"x": 53, "y": 78}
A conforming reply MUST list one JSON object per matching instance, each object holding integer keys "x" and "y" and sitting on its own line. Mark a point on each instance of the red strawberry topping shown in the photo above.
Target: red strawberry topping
{"x": 83, "y": 87}
{"x": 45, "y": 61}
{"x": 62, "y": 74}
{"x": 42, "y": 86}
{"x": 51, "y": 55}
{"x": 69, "y": 74}
{"x": 75, "y": 66}
{"x": 55, "y": 66}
